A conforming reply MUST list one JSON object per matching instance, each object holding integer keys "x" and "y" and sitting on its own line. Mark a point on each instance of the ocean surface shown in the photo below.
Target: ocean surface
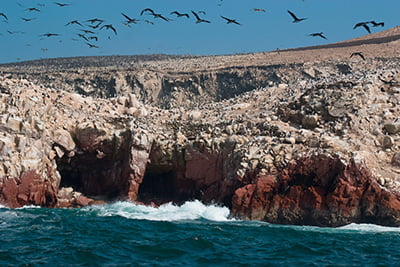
{"x": 125, "y": 234}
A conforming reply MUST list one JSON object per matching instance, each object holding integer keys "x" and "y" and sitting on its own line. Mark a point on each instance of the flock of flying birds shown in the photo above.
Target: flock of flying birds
{"x": 89, "y": 29}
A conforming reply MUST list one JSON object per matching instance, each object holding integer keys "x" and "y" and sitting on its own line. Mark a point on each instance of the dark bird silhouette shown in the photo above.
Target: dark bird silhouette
{"x": 92, "y": 45}
{"x": 74, "y": 22}
{"x": 357, "y": 54}
{"x": 295, "y": 19}
{"x": 376, "y": 24}
{"x": 258, "y": 9}
{"x": 86, "y": 31}
{"x": 228, "y": 20}
{"x": 50, "y": 34}
{"x": 3, "y": 15}
{"x": 61, "y": 4}
{"x": 28, "y": 19}
{"x": 95, "y": 26}
{"x": 129, "y": 20}
{"x": 318, "y": 34}
{"x": 93, "y": 38}
{"x": 82, "y": 36}
{"x": 199, "y": 20}
{"x": 155, "y": 15}
{"x": 363, "y": 24}
{"x": 180, "y": 14}
{"x": 33, "y": 9}
{"x": 147, "y": 10}
{"x": 95, "y": 20}
{"x": 109, "y": 27}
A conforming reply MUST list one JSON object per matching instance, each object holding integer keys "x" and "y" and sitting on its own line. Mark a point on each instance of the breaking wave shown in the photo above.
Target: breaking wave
{"x": 191, "y": 210}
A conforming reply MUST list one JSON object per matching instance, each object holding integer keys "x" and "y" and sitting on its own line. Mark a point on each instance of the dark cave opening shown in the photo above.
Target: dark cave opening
{"x": 163, "y": 184}
{"x": 100, "y": 179}
{"x": 158, "y": 186}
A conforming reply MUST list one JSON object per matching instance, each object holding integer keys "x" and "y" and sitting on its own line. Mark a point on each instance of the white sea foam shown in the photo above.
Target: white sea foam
{"x": 190, "y": 210}
{"x": 28, "y": 207}
{"x": 370, "y": 228}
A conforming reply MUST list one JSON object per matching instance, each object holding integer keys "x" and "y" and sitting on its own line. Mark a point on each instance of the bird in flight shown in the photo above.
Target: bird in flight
{"x": 129, "y": 20}
{"x": 86, "y": 31}
{"x": 147, "y": 10}
{"x": 61, "y": 4}
{"x": 95, "y": 26}
{"x": 92, "y": 45}
{"x": 180, "y": 14}
{"x": 33, "y": 9}
{"x": 318, "y": 34}
{"x": 376, "y": 24}
{"x": 362, "y": 24}
{"x": 258, "y": 9}
{"x": 228, "y": 20}
{"x": 3, "y": 15}
{"x": 357, "y": 54}
{"x": 199, "y": 20}
{"x": 93, "y": 38}
{"x": 95, "y": 20}
{"x": 109, "y": 27}
{"x": 50, "y": 34}
{"x": 28, "y": 19}
{"x": 74, "y": 22}
{"x": 82, "y": 36}
{"x": 295, "y": 19}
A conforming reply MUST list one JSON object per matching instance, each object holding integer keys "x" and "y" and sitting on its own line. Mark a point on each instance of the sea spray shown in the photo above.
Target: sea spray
{"x": 190, "y": 210}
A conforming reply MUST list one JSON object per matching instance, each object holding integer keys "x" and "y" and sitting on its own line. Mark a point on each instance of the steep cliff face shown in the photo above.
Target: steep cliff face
{"x": 320, "y": 191}
{"x": 295, "y": 143}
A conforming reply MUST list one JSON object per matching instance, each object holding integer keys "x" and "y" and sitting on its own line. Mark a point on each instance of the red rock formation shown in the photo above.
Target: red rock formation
{"x": 318, "y": 190}
{"x": 30, "y": 189}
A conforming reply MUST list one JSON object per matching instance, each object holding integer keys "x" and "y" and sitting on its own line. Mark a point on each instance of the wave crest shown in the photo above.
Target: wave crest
{"x": 190, "y": 210}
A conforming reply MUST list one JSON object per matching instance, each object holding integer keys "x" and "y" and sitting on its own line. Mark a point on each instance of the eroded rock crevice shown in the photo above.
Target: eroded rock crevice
{"x": 98, "y": 169}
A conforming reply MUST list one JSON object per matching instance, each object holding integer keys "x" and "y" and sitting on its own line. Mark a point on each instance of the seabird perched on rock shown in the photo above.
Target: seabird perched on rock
{"x": 295, "y": 19}
{"x": 199, "y": 20}
{"x": 357, "y": 54}
{"x": 319, "y": 34}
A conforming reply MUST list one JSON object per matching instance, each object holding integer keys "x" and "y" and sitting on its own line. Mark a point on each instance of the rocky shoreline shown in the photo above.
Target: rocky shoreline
{"x": 313, "y": 142}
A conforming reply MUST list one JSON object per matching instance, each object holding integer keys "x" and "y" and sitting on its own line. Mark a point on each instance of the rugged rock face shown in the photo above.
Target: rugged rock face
{"x": 291, "y": 141}
{"x": 318, "y": 190}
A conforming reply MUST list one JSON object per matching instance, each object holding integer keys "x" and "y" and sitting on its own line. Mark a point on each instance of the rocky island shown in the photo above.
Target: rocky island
{"x": 302, "y": 136}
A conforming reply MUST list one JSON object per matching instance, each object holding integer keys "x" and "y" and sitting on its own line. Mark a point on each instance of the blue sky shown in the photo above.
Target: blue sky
{"x": 260, "y": 31}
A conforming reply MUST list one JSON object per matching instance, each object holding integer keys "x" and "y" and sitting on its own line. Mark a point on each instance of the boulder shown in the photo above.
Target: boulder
{"x": 64, "y": 139}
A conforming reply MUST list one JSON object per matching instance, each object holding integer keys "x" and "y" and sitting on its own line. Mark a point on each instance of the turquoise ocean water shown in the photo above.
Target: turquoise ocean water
{"x": 124, "y": 234}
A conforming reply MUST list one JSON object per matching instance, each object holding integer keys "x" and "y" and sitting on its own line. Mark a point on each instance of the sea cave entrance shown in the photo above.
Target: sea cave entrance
{"x": 162, "y": 184}
{"x": 97, "y": 178}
